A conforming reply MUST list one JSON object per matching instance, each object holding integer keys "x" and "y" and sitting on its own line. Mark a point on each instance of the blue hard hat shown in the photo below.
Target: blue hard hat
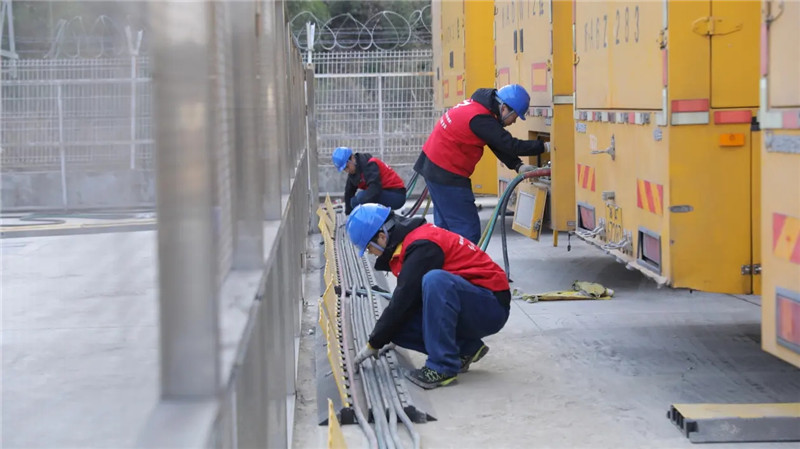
{"x": 340, "y": 157}
{"x": 516, "y": 98}
{"x": 364, "y": 222}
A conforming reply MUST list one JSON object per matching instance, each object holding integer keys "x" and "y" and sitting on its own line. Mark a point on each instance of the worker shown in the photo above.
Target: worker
{"x": 456, "y": 144}
{"x": 449, "y": 293}
{"x": 378, "y": 182}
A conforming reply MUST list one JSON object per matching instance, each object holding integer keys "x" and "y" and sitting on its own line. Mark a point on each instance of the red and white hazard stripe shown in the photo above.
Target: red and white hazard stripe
{"x": 690, "y": 112}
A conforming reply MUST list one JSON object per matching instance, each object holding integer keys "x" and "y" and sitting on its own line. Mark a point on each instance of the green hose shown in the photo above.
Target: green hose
{"x": 483, "y": 243}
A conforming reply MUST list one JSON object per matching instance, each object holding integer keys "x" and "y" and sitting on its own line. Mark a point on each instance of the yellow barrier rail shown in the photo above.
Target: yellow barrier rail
{"x": 335, "y": 435}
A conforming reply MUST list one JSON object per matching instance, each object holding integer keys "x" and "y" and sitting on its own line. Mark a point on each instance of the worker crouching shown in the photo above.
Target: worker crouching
{"x": 376, "y": 180}
{"x": 449, "y": 293}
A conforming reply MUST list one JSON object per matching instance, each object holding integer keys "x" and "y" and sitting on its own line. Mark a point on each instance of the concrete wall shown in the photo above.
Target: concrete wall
{"x": 85, "y": 190}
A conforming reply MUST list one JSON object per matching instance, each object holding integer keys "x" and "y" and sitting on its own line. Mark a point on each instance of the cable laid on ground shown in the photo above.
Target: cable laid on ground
{"x": 370, "y": 379}
{"x": 363, "y": 421}
{"x": 362, "y": 334}
{"x": 371, "y": 319}
{"x": 364, "y": 309}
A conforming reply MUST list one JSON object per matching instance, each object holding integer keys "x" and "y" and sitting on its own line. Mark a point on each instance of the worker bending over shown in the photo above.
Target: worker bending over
{"x": 456, "y": 144}
{"x": 377, "y": 181}
{"x": 449, "y": 293}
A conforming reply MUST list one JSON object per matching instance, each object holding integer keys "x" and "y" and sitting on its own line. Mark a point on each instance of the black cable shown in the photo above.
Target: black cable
{"x": 502, "y": 213}
{"x": 415, "y": 208}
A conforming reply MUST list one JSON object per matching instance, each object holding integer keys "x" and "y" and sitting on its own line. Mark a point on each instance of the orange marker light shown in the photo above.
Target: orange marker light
{"x": 731, "y": 140}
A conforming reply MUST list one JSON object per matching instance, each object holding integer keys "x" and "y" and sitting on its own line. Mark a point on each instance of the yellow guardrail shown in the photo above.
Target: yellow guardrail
{"x": 329, "y": 316}
{"x": 335, "y": 435}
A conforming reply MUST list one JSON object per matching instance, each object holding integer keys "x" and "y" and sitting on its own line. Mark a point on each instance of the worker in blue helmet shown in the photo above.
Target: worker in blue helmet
{"x": 449, "y": 293}
{"x": 456, "y": 145}
{"x": 376, "y": 180}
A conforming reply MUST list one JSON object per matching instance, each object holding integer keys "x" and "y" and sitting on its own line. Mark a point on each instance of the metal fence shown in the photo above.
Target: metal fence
{"x": 88, "y": 113}
{"x": 379, "y": 102}
{"x": 76, "y": 133}
{"x": 235, "y": 172}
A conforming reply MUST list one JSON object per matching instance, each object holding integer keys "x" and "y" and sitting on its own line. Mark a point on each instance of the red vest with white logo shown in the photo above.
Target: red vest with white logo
{"x": 452, "y": 145}
{"x": 461, "y": 257}
{"x": 389, "y": 178}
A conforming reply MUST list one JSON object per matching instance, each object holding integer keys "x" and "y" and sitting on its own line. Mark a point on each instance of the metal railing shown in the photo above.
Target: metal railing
{"x": 235, "y": 175}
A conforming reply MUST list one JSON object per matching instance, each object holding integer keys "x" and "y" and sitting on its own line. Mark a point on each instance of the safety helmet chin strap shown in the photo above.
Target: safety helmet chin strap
{"x": 507, "y": 115}
{"x": 386, "y": 227}
{"x": 376, "y": 246}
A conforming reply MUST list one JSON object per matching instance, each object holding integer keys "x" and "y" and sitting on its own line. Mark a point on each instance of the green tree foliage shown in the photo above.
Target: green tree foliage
{"x": 317, "y": 7}
{"x": 361, "y": 10}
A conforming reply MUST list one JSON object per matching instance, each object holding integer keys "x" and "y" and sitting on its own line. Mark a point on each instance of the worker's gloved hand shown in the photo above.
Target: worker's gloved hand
{"x": 524, "y": 168}
{"x": 365, "y": 353}
{"x": 547, "y": 147}
{"x": 386, "y": 349}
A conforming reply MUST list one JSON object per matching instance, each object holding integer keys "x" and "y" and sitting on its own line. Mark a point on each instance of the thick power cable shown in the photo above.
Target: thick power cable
{"x": 378, "y": 388}
{"x": 401, "y": 413}
{"x": 415, "y": 207}
{"x": 369, "y": 378}
{"x": 358, "y": 312}
{"x": 395, "y": 397}
{"x": 374, "y": 369}
{"x": 500, "y": 211}
{"x": 383, "y": 370}
{"x": 363, "y": 421}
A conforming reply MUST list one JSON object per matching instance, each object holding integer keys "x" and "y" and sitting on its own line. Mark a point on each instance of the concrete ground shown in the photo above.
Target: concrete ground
{"x": 587, "y": 374}
{"x": 79, "y": 352}
{"x": 79, "y": 339}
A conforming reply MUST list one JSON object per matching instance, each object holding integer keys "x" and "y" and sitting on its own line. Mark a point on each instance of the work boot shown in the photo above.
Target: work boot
{"x": 428, "y": 378}
{"x": 467, "y": 360}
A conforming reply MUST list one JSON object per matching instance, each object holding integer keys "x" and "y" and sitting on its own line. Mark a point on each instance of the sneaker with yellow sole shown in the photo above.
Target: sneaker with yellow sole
{"x": 428, "y": 378}
{"x": 468, "y": 360}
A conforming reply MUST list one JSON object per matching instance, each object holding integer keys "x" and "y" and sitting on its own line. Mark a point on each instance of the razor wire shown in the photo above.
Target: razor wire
{"x": 384, "y": 30}
{"x": 104, "y": 38}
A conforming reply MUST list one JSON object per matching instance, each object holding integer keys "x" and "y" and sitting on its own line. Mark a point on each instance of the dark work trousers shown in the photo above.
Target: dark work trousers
{"x": 393, "y": 199}
{"x": 455, "y": 316}
{"x": 454, "y": 209}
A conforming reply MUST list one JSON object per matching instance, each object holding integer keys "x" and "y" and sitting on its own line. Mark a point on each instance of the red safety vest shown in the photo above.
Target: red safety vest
{"x": 461, "y": 257}
{"x": 452, "y": 145}
{"x": 389, "y": 178}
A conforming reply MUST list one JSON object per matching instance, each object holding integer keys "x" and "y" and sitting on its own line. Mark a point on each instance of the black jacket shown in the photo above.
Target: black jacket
{"x": 372, "y": 176}
{"x": 421, "y": 257}
{"x": 488, "y": 128}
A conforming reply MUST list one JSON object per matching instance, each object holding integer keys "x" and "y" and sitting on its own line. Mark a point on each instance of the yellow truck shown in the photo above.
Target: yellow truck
{"x": 665, "y": 149}
{"x": 533, "y": 47}
{"x": 463, "y": 62}
{"x": 779, "y": 119}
